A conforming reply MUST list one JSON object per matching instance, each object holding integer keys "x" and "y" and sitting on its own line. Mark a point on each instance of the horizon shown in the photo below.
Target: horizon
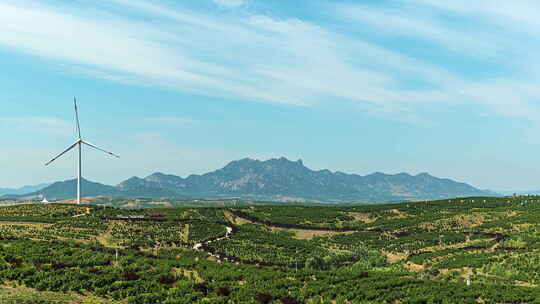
{"x": 383, "y": 86}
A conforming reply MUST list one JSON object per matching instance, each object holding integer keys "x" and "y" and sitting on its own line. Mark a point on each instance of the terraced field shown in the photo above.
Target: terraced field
{"x": 473, "y": 250}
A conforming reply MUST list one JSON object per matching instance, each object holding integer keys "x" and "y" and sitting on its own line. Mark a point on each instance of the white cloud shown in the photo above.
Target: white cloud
{"x": 37, "y": 125}
{"x": 458, "y": 38}
{"x": 258, "y": 57}
{"x": 492, "y": 43}
{"x": 253, "y": 57}
{"x": 394, "y": 63}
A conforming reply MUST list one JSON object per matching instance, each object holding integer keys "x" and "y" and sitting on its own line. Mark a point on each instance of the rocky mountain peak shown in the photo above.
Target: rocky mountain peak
{"x": 279, "y": 177}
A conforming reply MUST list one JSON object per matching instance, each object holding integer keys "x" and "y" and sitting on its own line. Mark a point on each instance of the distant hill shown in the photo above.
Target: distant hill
{"x": 68, "y": 189}
{"x": 519, "y": 192}
{"x": 277, "y": 179}
{"x": 22, "y": 190}
{"x": 138, "y": 187}
{"x": 281, "y": 177}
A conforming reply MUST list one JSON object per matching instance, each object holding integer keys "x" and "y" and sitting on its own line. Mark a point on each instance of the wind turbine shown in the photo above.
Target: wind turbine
{"x": 79, "y": 144}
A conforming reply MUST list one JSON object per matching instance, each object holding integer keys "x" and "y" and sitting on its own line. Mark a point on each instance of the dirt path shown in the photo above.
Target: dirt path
{"x": 105, "y": 237}
{"x": 228, "y": 233}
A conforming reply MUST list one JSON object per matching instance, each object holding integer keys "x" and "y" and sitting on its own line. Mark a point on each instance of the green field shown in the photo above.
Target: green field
{"x": 422, "y": 252}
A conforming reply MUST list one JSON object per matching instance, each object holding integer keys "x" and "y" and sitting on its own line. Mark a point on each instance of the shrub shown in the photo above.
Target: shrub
{"x": 57, "y": 266}
{"x": 263, "y": 298}
{"x": 362, "y": 275}
{"x": 289, "y": 300}
{"x": 167, "y": 280}
{"x": 131, "y": 276}
{"x": 14, "y": 261}
{"x": 201, "y": 287}
{"x": 223, "y": 291}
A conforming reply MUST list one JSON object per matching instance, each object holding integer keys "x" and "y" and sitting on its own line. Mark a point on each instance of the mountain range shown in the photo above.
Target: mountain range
{"x": 22, "y": 190}
{"x": 274, "y": 179}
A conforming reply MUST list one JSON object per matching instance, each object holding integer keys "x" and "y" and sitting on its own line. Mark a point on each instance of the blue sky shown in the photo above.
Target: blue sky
{"x": 445, "y": 87}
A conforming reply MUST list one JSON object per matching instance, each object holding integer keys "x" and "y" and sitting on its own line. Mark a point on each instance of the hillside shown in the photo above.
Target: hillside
{"x": 68, "y": 189}
{"x": 22, "y": 190}
{"x": 470, "y": 250}
{"x": 276, "y": 179}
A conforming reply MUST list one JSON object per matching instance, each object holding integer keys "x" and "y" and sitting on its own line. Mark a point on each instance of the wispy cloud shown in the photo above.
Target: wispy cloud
{"x": 37, "y": 125}
{"x": 488, "y": 47}
{"x": 427, "y": 27}
{"x": 257, "y": 57}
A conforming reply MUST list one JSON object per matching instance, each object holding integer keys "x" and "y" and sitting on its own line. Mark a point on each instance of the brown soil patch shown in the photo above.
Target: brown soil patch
{"x": 516, "y": 282}
{"x": 166, "y": 204}
{"x": 106, "y": 238}
{"x": 393, "y": 258}
{"x": 84, "y": 200}
{"x": 235, "y": 219}
{"x": 525, "y": 284}
{"x": 468, "y": 272}
{"x": 510, "y": 213}
{"x": 521, "y": 227}
{"x": 191, "y": 275}
{"x": 362, "y": 217}
{"x": 399, "y": 213}
{"x": 468, "y": 242}
{"x": 310, "y": 234}
{"x": 11, "y": 292}
{"x": 415, "y": 267}
{"x": 301, "y": 234}
{"x": 28, "y": 224}
{"x": 458, "y": 221}
{"x": 10, "y": 203}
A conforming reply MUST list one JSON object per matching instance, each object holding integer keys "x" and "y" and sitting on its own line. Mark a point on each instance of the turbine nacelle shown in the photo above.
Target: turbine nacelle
{"x": 80, "y": 142}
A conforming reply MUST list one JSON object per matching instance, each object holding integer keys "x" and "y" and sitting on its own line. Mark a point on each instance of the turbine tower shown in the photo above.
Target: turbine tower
{"x": 79, "y": 144}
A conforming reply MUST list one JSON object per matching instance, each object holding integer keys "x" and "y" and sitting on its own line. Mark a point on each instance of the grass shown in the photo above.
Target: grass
{"x": 13, "y": 293}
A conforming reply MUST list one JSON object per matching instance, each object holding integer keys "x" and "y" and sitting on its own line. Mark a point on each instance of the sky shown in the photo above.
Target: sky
{"x": 184, "y": 87}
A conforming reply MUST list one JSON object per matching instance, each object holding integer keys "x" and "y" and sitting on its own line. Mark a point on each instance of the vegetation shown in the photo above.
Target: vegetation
{"x": 421, "y": 252}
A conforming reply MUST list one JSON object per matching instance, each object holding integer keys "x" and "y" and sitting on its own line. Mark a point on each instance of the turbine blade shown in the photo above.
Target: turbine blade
{"x": 98, "y": 148}
{"x": 77, "y": 118}
{"x": 65, "y": 151}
